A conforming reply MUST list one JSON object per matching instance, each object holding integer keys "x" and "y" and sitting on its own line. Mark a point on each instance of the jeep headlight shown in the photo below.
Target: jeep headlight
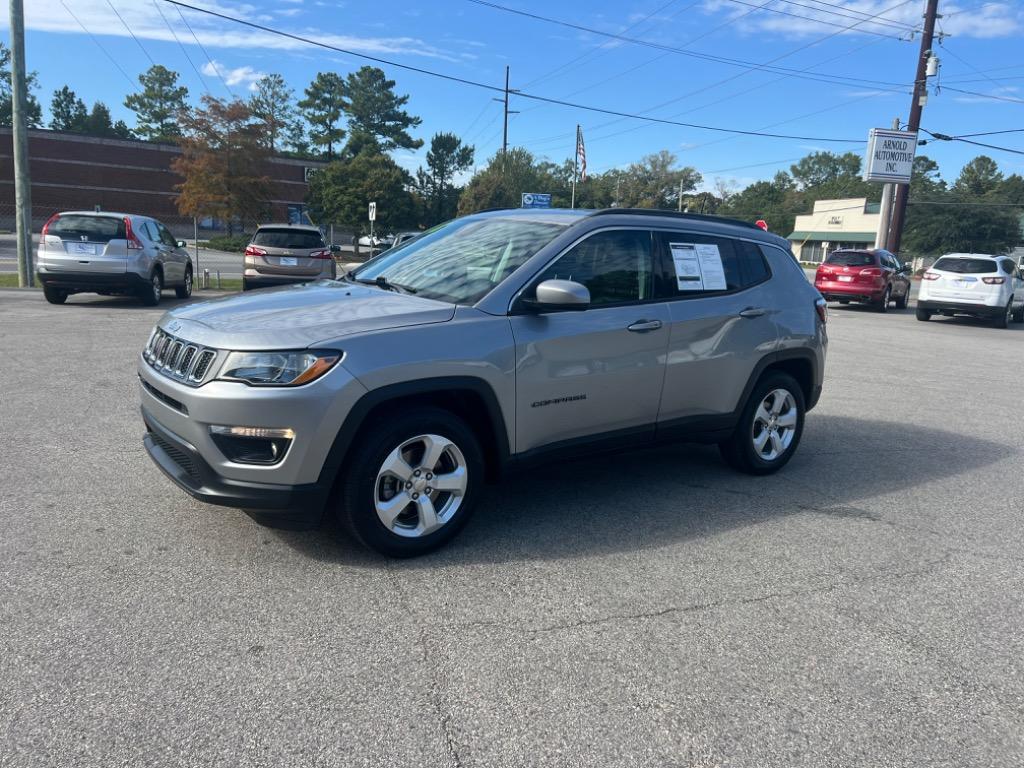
{"x": 278, "y": 369}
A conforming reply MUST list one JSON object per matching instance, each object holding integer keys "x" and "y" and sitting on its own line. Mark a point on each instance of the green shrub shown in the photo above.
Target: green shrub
{"x": 235, "y": 243}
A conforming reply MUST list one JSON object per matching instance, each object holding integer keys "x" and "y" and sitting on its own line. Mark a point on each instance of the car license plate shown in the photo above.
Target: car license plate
{"x": 289, "y": 261}
{"x": 845, "y": 279}
{"x": 88, "y": 248}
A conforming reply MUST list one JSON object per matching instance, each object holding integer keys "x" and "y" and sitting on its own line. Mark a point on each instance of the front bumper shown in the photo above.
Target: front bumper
{"x": 178, "y": 418}
{"x": 93, "y": 281}
{"x": 186, "y": 467}
{"x": 962, "y": 308}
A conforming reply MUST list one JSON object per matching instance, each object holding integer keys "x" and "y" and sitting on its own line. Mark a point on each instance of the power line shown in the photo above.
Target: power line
{"x": 984, "y": 95}
{"x": 135, "y": 86}
{"x": 597, "y": 48}
{"x": 213, "y": 65}
{"x": 989, "y": 133}
{"x": 492, "y": 88}
{"x": 741, "y": 74}
{"x": 810, "y": 18}
{"x": 749, "y": 65}
{"x": 944, "y": 137}
{"x": 130, "y": 32}
{"x": 180, "y": 45}
{"x": 885, "y": 22}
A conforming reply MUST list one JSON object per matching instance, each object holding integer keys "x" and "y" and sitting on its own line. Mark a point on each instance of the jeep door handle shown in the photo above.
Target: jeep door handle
{"x": 642, "y": 326}
{"x": 753, "y": 312}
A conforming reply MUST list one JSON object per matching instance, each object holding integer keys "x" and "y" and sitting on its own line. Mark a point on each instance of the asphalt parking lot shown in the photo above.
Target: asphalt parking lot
{"x": 861, "y": 608}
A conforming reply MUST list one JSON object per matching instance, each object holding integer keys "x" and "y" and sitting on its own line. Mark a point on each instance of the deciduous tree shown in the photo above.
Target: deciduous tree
{"x": 222, "y": 162}
{"x": 340, "y": 193}
{"x": 33, "y": 112}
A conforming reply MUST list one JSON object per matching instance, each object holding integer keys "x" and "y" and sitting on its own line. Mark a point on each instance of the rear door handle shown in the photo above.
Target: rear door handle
{"x": 642, "y": 326}
{"x": 753, "y": 312}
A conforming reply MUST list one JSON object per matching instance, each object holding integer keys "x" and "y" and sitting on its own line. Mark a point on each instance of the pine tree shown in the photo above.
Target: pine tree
{"x": 160, "y": 105}
{"x": 375, "y": 111}
{"x": 322, "y": 108}
{"x": 68, "y": 112}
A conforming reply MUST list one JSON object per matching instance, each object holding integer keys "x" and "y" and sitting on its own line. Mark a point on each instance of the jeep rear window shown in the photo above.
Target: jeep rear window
{"x": 92, "y": 229}
{"x": 851, "y": 259}
{"x": 288, "y": 238}
{"x": 461, "y": 261}
{"x": 965, "y": 266}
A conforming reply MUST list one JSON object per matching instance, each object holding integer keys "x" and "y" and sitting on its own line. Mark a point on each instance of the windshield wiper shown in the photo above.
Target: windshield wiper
{"x": 382, "y": 282}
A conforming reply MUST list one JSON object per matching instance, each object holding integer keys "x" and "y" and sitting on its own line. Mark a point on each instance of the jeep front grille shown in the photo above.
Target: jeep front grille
{"x": 179, "y": 359}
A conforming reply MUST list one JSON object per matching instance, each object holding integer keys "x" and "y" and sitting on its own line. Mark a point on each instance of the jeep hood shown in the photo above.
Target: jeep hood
{"x": 300, "y": 316}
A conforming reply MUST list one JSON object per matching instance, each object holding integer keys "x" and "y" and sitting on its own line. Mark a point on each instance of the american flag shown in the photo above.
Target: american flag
{"x": 581, "y": 153}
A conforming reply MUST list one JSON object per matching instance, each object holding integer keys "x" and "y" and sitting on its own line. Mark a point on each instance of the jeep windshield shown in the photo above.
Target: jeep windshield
{"x": 460, "y": 261}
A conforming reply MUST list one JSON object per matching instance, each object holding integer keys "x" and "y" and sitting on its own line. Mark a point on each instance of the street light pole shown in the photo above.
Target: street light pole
{"x": 19, "y": 120}
{"x": 914, "y": 123}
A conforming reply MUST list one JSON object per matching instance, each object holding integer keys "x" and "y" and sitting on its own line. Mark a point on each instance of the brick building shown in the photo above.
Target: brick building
{"x": 70, "y": 171}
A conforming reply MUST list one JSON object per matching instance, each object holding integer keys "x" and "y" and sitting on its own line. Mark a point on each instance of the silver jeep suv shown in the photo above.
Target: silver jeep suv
{"x": 387, "y": 397}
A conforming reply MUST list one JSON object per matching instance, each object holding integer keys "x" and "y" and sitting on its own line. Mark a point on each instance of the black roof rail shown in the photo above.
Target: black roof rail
{"x": 676, "y": 214}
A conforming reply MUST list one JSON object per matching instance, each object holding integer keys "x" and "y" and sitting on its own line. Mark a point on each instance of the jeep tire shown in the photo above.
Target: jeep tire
{"x": 411, "y": 482}
{"x": 769, "y": 428}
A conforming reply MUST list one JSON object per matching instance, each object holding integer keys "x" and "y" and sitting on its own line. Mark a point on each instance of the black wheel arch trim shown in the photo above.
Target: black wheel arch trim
{"x": 774, "y": 358}
{"x": 356, "y": 418}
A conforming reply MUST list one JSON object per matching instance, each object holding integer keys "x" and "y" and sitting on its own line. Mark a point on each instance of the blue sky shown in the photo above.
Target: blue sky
{"x": 861, "y": 75}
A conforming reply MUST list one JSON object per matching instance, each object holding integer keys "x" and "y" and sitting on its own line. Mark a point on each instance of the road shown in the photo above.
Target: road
{"x": 861, "y": 608}
{"x": 229, "y": 264}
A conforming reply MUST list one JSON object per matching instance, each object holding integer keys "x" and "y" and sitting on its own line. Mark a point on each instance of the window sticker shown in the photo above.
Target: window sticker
{"x": 698, "y": 267}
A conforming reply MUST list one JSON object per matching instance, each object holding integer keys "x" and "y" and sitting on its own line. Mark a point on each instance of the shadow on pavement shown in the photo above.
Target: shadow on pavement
{"x": 647, "y": 499}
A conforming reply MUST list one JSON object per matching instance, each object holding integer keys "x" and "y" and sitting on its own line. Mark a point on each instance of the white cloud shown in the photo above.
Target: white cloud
{"x": 997, "y": 19}
{"x": 146, "y": 23}
{"x": 238, "y": 76}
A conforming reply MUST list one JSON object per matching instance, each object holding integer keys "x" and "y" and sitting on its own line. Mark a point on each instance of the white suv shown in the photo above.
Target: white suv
{"x": 974, "y": 284}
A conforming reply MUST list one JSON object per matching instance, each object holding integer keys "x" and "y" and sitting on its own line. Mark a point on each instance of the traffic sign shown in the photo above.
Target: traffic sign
{"x": 373, "y": 211}
{"x": 536, "y": 200}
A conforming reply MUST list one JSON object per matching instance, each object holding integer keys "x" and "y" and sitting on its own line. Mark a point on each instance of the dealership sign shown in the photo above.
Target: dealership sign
{"x": 890, "y": 155}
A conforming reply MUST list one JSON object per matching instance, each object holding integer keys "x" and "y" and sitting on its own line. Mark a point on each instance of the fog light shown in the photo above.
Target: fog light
{"x": 252, "y": 445}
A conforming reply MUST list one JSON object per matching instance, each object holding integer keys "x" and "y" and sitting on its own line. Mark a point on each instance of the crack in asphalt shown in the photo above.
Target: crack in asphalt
{"x": 927, "y": 568}
{"x": 444, "y": 717}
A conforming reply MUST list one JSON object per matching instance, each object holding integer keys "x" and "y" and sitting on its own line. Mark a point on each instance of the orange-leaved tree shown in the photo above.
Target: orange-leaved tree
{"x": 223, "y": 160}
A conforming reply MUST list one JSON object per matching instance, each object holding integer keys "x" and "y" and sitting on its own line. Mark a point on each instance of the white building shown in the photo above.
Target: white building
{"x": 848, "y": 223}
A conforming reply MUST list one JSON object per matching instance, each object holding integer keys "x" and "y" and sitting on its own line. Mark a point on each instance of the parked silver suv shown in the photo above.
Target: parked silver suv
{"x": 111, "y": 253}
{"x": 389, "y": 396}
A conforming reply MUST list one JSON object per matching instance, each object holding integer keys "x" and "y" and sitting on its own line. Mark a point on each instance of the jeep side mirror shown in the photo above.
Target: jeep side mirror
{"x": 561, "y": 294}
{"x": 182, "y": 244}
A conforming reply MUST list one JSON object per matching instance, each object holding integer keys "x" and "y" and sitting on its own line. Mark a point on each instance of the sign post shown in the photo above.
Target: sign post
{"x": 373, "y": 218}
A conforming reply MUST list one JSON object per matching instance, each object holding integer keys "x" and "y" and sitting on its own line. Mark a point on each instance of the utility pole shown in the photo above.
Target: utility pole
{"x": 19, "y": 115}
{"x": 885, "y": 209}
{"x": 680, "y": 195}
{"x": 504, "y": 134}
{"x": 914, "y": 123}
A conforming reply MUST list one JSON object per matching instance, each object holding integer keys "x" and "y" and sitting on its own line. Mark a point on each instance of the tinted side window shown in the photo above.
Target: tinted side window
{"x": 150, "y": 231}
{"x": 752, "y": 264}
{"x": 1007, "y": 267}
{"x": 616, "y": 266}
{"x": 700, "y": 264}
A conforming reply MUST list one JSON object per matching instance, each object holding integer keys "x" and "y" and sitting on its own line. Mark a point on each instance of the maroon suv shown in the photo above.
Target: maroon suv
{"x": 871, "y": 276}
